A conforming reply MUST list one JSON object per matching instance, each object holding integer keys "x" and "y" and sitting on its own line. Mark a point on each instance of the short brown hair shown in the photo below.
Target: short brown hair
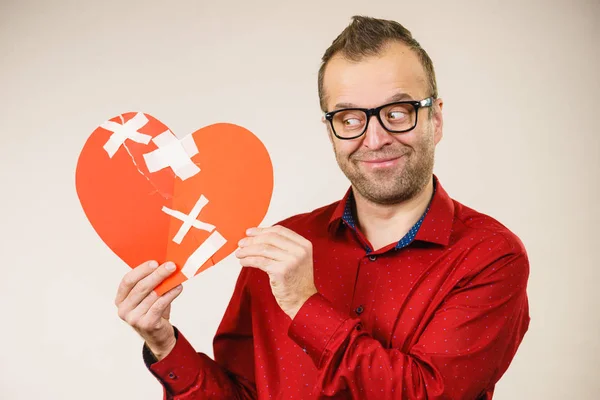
{"x": 365, "y": 36}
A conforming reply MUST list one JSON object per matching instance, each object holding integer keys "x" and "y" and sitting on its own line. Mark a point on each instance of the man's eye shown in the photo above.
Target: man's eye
{"x": 394, "y": 115}
{"x": 349, "y": 122}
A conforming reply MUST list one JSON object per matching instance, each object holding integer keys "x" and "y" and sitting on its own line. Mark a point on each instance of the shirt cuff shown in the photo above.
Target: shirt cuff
{"x": 179, "y": 370}
{"x": 319, "y": 328}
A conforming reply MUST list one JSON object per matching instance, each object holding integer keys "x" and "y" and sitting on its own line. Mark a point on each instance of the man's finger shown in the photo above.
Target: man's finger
{"x": 278, "y": 229}
{"x": 269, "y": 238}
{"x": 148, "y": 302}
{"x": 147, "y": 285}
{"x": 261, "y": 263}
{"x": 263, "y": 250}
{"x": 132, "y": 278}
{"x": 156, "y": 311}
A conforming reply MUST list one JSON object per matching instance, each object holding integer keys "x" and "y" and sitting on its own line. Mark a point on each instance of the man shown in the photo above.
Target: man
{"x": 395, "y": 292}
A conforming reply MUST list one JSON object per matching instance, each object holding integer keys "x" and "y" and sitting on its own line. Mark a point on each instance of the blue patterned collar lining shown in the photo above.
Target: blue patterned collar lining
{"x": 405, "y": 241}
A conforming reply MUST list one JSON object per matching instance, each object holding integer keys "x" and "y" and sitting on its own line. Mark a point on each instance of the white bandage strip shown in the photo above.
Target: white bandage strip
{"x": 189, "y": 220}
{"x": 173, "y": 153}
{"x": 205, "y": 251}
{"x": 122, "y": 132}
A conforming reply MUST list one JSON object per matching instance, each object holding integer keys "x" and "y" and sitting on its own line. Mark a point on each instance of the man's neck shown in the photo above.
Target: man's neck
{"x": 386, "y": 224}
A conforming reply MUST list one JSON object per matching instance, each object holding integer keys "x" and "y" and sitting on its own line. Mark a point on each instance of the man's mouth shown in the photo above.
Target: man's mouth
{"x": 381, "y": 162}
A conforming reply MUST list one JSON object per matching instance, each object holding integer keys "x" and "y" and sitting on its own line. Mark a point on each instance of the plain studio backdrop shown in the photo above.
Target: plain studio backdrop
{"x": 520, "y": 84}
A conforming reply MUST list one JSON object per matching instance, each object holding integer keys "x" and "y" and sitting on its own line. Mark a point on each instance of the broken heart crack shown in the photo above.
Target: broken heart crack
{"x": 156, "y": 189}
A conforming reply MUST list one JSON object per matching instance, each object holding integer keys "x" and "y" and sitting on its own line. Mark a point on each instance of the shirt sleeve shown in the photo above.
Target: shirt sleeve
{"x": 462, "y": 352}
{"x": 188, "y": 375}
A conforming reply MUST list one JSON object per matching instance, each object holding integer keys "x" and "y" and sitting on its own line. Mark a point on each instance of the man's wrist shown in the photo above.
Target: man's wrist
{"x": 292, "y": 312}
{"x": 162, "y": 349}
{"x": 160, "y": 352}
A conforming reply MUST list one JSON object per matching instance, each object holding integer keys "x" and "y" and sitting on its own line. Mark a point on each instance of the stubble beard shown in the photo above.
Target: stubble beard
{"x": 393, "y": 185}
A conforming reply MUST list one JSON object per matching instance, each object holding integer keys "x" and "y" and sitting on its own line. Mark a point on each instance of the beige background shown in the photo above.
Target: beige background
{"x": 520, "y": 83}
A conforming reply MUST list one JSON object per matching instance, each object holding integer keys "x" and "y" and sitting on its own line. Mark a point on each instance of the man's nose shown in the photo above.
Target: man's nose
{"x": 376, "y": 136}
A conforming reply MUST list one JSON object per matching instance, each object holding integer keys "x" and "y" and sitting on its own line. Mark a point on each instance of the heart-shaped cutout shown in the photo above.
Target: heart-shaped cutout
{"x": 152, "y": 196}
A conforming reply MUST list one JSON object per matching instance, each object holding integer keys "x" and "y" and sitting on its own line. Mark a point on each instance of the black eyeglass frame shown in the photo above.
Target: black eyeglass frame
{"x": 417, "y": 104}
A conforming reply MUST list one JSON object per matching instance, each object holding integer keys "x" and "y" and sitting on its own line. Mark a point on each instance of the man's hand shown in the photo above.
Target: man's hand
{"x": 144, "y": 310}
{"x": 288, "y": 260}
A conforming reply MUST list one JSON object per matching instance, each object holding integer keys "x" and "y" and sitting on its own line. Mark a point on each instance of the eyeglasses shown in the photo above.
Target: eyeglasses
{"x": 397, "y": 117}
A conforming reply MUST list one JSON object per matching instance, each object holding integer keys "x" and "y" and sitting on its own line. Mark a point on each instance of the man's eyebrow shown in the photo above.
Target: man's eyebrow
{"x": 344, "y": 105}
{"x": 397, "y": 97}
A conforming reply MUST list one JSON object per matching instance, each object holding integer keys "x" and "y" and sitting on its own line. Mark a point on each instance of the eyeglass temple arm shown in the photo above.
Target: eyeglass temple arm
{"x": 426, "y": 102}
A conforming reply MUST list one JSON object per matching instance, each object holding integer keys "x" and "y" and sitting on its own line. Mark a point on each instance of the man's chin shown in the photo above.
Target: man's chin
{"x": 379, "y": 193}
{"x": 386, "y": 199}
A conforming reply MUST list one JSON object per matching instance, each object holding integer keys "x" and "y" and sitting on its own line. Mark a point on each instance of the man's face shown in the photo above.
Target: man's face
{"x": 384, "y": 168}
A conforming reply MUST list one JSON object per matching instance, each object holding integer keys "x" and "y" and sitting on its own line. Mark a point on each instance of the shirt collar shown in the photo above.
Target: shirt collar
{"x": 435, "y": 225}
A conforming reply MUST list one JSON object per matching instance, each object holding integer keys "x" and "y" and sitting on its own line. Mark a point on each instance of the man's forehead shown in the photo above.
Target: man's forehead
{"x": 395, "y": 71}
{"x": 397, "y": 94}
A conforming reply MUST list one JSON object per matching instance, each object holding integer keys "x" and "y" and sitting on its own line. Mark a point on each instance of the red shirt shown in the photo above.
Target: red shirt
{"x": 438, "y": 318}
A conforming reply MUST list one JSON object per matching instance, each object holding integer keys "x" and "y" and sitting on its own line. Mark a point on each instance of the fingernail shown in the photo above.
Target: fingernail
{"x": 170, "y": 267}
{"x": 250, "y": 231}
{"x": 242, "y": 242}
{"x": 153, "y": 264}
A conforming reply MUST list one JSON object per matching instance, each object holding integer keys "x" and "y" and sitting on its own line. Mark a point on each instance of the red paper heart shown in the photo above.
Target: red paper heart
{"x": 139, "y": 214}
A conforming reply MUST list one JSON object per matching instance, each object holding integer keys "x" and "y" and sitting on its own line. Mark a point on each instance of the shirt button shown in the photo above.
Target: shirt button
{"x": 359, "y": 310}
{"x": 373, "y": 258}
{"x": 172, "y": 375}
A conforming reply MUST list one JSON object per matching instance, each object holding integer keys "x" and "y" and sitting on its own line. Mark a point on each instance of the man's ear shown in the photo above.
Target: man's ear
{"x": 438, "y": 120}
